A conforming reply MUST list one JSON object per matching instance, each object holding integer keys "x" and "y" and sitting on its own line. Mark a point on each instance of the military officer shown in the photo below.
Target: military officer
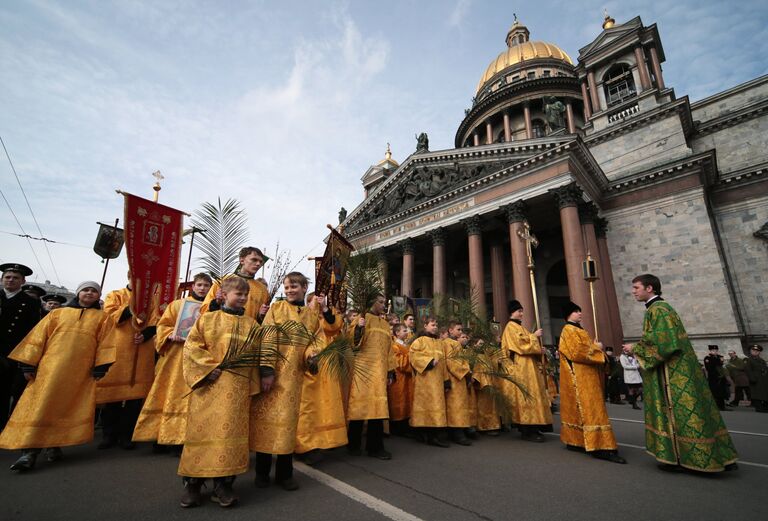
{"x": 52, "y": 301}
{"x": 19, "y": 313}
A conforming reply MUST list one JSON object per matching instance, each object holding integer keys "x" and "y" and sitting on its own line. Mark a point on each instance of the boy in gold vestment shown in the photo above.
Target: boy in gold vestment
{"x": 400, "y": 393}
{"x": 251, "y": 260}
{"x": 457, "y": 402}
{"x": 216, "y": 441}
{"x": 60, "y": 358}
{"x": 431, "y": 382}
{"x": 584, "y": 419}
{"x": 163, "y": 417}
{"x": 275, "y": 412}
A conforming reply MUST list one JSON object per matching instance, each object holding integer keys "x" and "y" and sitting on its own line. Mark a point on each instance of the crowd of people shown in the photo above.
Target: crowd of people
{"x": 439, "y": 383}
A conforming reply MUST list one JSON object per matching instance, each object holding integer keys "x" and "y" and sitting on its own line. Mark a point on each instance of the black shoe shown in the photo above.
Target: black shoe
{"x": 731, "y": 467}
{"x": 311, "y": 458}
{"x": 192, "y": 497}
{"x": 160, "y": 449}
{"x": 25, "y": 462}
{"x": 668, "y": 467}
{"x": 380, "y": 454}
{"x": 609, "y": 455}
{"x": 462, "y": 441}
{"x": 127, "y": 445}
{"x": 261, "y": 481}
{"x": 492, "y": 433}
{"x": 733, "y": 404}
{"x": 107, "y": 443}
{"x": 471, "y": 433}
{"x": 54, "y": 454}
{"x": 575, "y": 448}
{"x": 635, "y": 406}
{"x": 535, "y": 437}
{"x": 224, "y": 495}
{"x": 437, "y": 442}
{"x": 289, "y": 484}
{"x": 354, "y": 451}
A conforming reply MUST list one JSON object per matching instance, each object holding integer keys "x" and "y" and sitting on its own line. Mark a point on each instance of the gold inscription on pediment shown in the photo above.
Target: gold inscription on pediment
{"x": 426, "y": 219}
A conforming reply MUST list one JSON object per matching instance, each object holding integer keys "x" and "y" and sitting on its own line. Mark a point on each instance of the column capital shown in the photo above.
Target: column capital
{"x": 601, "y": 226}
{"x": 516, "y": 212}
{"x": 438, "y": 236}
{"x": 588, "y": 213}
{"x": 473, "y": 225}
{"x": 568, "y": 195}
{"x": 407, "y": 246}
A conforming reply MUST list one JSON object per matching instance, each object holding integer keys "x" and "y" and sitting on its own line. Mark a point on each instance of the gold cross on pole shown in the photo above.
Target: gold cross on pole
{"x": 158, "y": 177}
{"x": 530, "y": 242}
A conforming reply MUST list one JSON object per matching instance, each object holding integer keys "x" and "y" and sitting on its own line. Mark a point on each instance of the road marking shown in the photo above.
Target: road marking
{"x": 382, "y": 507}
{"x": 751, "y": 464}
{"x": 732, "y": 432}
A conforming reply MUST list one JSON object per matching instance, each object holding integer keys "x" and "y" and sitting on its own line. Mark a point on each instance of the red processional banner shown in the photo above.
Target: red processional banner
{"x": 153, "y": 246}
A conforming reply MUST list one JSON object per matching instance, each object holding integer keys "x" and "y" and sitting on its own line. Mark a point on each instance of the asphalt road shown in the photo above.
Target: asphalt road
{"x": 495, "y": 479}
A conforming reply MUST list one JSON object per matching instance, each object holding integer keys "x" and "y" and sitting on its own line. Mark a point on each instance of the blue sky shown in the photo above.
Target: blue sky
{"x": 280, "y": 105}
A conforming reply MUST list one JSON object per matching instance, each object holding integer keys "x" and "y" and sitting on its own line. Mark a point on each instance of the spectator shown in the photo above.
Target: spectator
{"x": 737, "y": 369}
{"x": 757, "y": 370}
{"x": 632, "y": 377}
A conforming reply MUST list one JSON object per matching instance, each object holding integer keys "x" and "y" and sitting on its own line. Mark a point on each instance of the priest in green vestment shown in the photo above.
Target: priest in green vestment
{"x": 683, "y": 426}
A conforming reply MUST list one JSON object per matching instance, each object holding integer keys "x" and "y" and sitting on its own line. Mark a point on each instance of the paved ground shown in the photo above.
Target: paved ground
{"x": 495, "y": 479}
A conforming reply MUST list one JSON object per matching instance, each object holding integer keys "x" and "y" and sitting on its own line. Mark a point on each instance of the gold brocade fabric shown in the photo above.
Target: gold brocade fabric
{"x": 164, "y": 415}
{"x": 58, "y": 405}
{"x": 275, "y": 415}
{"x": 216, "y": 440}
{"x": 258, "y": 295}
{"x": 458, "y": 413}
{"x": 584, "y": 419}
{"x": 487, "y": 413}
{"x": 134, "y": 362}
{"x": 368, "y": 392}
{"x": 429, "y": 408}
{"x": 531, "y": 407}
{"x": 400, "y": 393}
{"x": 322, "y": 424}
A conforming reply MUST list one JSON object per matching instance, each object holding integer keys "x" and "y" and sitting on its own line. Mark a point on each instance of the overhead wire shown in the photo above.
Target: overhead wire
{"x": 44, "y": 239}
{"x": 29, "y": 206}
{"x": 34, "y": 253}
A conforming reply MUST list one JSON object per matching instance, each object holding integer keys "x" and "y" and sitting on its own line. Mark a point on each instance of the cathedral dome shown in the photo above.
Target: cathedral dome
{"x": 521, "y": 50}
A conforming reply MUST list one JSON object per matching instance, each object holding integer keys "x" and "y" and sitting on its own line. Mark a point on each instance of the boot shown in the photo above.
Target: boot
{"x": 223, "y": 493}
{"x": 192, "y": 497}
{"x": 26, "y": 461}
{"x": 532, "y": 434}
{"x": 54, "y": 454}
{"x": 107, "y": 443}
{"x": 458, "y": 437}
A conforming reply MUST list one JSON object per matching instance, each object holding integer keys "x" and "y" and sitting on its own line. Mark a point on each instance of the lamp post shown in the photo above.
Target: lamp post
{"x": 589, "y": 269}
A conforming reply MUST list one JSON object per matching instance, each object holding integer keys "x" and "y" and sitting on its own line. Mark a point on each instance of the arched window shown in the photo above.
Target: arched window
{"x": 619, "y": 84}
{"x": 538, "y": 129}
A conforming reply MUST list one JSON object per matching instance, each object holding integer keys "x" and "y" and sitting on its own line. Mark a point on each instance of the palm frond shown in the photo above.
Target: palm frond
{"x": 226, "y": 231}
{"x": 363, "y": 280}
{"x": 338, "y": 362}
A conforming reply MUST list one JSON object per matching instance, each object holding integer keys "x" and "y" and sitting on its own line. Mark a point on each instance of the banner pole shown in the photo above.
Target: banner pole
{"x": 106, "y": 263}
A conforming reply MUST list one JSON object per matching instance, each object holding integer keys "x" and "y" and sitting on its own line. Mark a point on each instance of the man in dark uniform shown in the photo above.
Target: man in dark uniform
{"x": 19, "y": 313}
{"x": 33, "y": 291}
{"x": 52, "y": 301}
{"x": 757, "y": 370}
{"x": 713, "y": 363}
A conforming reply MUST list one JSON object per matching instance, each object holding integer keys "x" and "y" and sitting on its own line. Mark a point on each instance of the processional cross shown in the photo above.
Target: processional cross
{"x": 532, "y": 242}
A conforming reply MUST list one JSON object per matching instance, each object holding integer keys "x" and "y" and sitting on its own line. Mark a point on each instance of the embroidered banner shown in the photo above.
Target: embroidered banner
{"x": 332, "y": 270}
{"x": 109, "y": 241}
{"x": 152, "y": 244}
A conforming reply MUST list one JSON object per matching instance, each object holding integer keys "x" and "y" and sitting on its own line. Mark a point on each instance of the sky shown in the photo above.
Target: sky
{"x": 281, "y": 105}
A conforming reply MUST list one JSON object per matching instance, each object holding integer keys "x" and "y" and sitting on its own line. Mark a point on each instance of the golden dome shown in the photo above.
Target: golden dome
{"x": 522, "y": 52}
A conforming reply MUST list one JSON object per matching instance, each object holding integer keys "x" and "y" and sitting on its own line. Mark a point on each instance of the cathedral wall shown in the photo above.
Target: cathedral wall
{"x": 725, "y": 102}
{"x": 738, "y": 146}
{"x": 746, "y": 258}
{"x": 642, "y": 148}
{"x": 673, "y": 238}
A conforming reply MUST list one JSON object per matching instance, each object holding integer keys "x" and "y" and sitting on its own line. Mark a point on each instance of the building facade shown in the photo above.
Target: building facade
{"x": 598, "y": 159}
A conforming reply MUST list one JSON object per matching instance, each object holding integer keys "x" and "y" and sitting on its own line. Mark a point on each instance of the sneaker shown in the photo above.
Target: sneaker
{"x": 289, "y": 484}
{"x": 380, "y": 454}
{"x": 54, "y": 454}
{"x": 261, "y": 481}
{"x": 192, "y": 497}
{"x": 25, "y": 462}
{"x": 223, "y": 493}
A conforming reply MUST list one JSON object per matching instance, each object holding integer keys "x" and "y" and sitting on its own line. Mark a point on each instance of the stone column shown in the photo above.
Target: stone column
{"x": 406, "y": 285}
{"x": 476, "y": 138}
{"x": 439, "y": 285}
{"x": 593, "y": 92}
{"x": 500, "y": 309}
{"x": 569, "y": 113}
{"x": 585, "y": 97}
{"x": 521, "y": 278}
{"x": 473, "y": 226}
{"x": 568, "y": 197}
{"x": 488, "y": 133}
{"x": 528, "y": 125}
{"x": 383, "y": 270}
{"x": 610, "y": 288}
{"x": 657, "y": 68}
{"x": 587, "y": 216}
{"x": 642, "y": 68}
{"x": 507, "y": 129}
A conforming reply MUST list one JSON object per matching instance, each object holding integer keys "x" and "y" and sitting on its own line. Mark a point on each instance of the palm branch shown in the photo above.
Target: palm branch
{"x": 226, "y": 232}
{"x": 337, "y": 361}
{"x": 363, "y": 280}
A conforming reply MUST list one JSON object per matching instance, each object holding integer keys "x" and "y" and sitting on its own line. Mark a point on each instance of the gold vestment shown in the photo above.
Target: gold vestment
{"x": 429, "y": 383}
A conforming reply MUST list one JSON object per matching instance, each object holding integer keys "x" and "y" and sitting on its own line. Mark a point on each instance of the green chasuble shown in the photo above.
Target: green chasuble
{"x": 682, "y": 423}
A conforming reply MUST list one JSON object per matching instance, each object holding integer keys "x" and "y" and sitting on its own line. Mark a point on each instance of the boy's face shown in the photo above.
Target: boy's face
{"x": 378, "y": 306}
{"x": 201, "y": 287}
{"x": 235, "y": 298}
{"x": 87, "y": 297}
{"x": 353, "y": 317}
{"x": 463, "y": 339}
{"x": 455, "y": 331}
{"x": 575, "y": 317}
{"x": 517, "y": 314}
{"x": 251, "y": 263}
{"x": 294, "y": 291}
{"x": 410, "y": 321}
{"x": 402, "y": 333}
{"x": 431, "y": 327}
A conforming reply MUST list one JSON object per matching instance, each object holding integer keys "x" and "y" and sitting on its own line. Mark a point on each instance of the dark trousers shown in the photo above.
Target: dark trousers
{"x": 743, "y": 392}
{"x": 374, "y": 440}
{"x": 283, "y": 466}
{"x": 12, "y": 385}
{"x": 118, "y": 419}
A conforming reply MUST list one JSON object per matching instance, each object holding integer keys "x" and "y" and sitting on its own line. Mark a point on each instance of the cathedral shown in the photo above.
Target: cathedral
{"x": 568, "y": 179}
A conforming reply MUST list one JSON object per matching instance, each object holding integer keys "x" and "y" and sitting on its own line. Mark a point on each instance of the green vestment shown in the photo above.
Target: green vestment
{"x": 682, "y": 423}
